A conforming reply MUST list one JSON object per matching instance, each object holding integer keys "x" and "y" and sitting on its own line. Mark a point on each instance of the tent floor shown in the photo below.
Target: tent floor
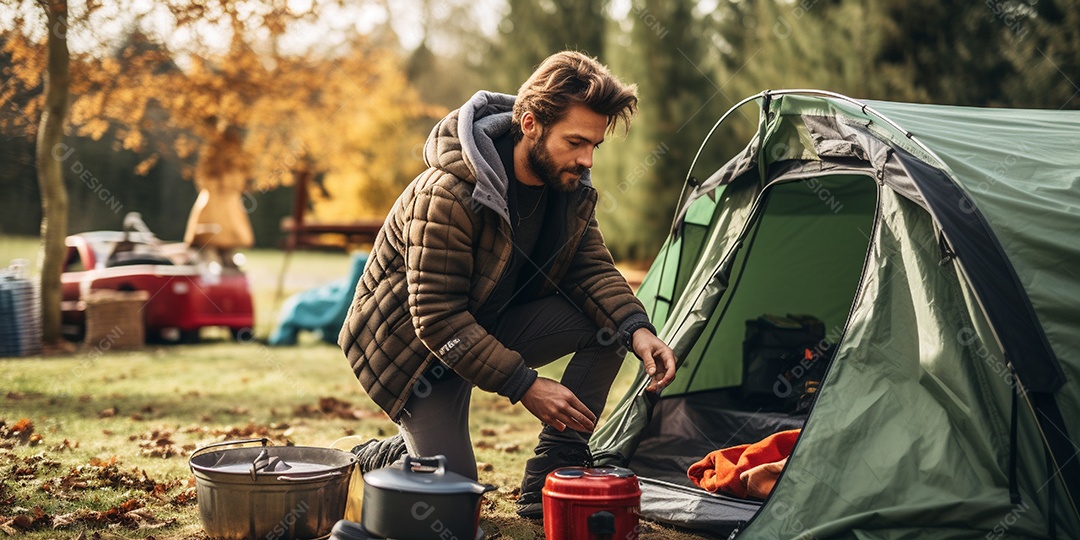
{"x": 683, "y": 430}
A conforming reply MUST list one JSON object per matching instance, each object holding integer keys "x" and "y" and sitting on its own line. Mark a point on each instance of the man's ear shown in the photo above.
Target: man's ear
{"x": 530, "y": 127}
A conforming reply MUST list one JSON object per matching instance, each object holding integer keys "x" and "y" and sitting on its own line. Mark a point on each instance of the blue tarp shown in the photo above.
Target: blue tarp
{"x": 320, "y": 309}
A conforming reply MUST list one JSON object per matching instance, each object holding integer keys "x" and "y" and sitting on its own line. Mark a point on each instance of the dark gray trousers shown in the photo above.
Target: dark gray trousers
{"x": 437, "y": 419}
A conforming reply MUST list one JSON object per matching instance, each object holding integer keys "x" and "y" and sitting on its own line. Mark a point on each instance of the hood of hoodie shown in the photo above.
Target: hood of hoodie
{"x": 463, "y": 144}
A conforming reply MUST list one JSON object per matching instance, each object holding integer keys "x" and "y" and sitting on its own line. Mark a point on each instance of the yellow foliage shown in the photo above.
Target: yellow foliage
{"x": 145, "y": 165}
{"x": 250, "y": 111}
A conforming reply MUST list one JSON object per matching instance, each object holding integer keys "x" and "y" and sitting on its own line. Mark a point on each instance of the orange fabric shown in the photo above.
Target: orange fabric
{"x": 730, "y": 470}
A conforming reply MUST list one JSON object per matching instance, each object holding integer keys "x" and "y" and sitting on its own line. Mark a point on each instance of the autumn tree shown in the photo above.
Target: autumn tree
{"x": 53, "y": 195}
{"x": 247, "y": 103}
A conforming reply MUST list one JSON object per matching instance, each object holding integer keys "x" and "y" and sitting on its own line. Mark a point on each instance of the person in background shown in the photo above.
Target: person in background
{"x": 491, "y": 264}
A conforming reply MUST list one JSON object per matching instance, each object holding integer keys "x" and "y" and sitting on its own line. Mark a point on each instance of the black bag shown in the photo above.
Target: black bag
{"x": 784, "y": 360}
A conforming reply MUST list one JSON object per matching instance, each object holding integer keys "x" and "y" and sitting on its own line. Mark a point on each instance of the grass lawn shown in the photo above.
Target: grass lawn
{"x": 95, "y": 443}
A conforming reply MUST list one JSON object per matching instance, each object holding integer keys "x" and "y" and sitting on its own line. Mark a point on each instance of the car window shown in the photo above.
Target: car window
{"x": 126, "y": 253}
{"x": 74, "y": 262}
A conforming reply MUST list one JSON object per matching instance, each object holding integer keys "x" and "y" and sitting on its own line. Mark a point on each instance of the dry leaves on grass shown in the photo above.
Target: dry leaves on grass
{"x": 21, "y": 432}
{"x": 105, "y": 473}
{"x": 15, "y": 525}
{"x": 158, "y": 443}
{"x": 131, "y": 514}
{"x": 66, "y": 445}
{"x": 277, "y": 433}
{"x": 335, "y": 408}
{"x": 509, "y": 448}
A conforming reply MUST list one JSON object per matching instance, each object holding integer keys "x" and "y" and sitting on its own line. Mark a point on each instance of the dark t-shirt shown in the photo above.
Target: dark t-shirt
{"x": 528, "y": 206}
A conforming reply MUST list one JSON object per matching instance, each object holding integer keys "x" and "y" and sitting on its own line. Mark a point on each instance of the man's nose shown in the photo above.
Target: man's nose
{"x": 585, "y": 157}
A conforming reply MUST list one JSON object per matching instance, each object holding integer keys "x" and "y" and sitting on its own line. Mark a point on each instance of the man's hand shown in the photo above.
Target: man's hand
{"x": 659, "y": 359}
{"x": 558, "y": 407}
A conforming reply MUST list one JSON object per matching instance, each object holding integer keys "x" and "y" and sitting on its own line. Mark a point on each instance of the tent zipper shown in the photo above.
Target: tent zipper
{"x": 1014, "y": 490}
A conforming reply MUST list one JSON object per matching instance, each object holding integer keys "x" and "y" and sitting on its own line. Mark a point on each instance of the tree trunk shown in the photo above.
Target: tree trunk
{"x": 54, "y": 199}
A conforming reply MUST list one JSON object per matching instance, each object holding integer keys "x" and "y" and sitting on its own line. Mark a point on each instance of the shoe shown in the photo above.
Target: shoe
{"x": 376, "y": 454}
{"x": 530, "y": 504}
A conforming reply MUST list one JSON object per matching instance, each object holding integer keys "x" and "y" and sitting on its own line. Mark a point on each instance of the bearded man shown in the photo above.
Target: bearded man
{"x": 491, "y": 264}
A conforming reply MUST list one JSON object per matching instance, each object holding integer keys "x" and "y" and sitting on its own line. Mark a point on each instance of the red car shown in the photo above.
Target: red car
{"x": 188, "y": 290}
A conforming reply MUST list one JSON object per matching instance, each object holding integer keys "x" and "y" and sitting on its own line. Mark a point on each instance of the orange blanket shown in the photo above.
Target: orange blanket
{"x": 747, "y": 470}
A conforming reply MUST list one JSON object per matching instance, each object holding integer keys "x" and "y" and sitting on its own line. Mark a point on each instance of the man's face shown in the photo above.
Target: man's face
{"x": 564, "y": 150}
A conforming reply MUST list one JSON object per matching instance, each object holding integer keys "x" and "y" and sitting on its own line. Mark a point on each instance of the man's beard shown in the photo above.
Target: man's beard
{"x": 544, "y": 168}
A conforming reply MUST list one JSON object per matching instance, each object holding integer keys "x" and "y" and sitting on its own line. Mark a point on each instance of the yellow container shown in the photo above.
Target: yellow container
{"x": 356, "y": 483}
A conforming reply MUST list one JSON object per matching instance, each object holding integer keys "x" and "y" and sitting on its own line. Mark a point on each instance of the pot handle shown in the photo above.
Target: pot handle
{"x": 439, "y": 462}
{"x": 263, "y": 440}
{"x": 323, "y": 476}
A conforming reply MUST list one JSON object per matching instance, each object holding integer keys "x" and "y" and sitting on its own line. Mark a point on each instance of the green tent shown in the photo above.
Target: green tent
{"x": 940, "y": 246}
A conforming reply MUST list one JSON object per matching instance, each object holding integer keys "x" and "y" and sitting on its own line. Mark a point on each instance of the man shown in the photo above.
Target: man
{"x": 490, "y": 264}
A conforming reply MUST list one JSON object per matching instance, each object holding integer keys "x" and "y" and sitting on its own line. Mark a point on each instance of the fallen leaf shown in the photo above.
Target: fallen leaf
{"x": 24, "y": 424}
{"x": 66, "y": 445}
{"x": 24, "y": 470}
{"x": 485, "y": 467}
{"x": 185, "y": 497}
{"x": 98, "y": 462}
{"x": 65, "y": 520}
{"x": 488, "y": 432}
{"x": 108, "y": 413}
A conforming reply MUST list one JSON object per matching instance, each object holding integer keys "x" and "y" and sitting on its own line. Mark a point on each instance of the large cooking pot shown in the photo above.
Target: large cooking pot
{"x": 418, "y": 499}
{"x": 270, "y": 492}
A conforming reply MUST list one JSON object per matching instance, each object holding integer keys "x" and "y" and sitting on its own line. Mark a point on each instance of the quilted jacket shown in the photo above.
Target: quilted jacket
{"x": 439, "y": 255}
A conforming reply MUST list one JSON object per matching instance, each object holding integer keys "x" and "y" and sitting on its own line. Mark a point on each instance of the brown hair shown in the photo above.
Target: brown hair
{"x": 571, "y": 78}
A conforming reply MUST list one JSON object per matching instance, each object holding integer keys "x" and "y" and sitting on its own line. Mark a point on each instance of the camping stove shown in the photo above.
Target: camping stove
{"x": 596, "y": 503}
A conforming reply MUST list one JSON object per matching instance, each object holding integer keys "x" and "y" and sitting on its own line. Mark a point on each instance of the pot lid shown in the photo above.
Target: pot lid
{"x": 276, "y": 461}
{"x": 423, "y": 475}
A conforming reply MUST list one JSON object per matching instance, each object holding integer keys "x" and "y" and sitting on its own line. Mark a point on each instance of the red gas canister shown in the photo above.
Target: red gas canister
{"x": 596, "y": 503}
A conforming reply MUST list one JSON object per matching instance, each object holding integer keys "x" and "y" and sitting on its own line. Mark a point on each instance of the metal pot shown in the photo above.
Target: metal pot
{"x": 418, "y": 499}
{"x": 270, "y": 492}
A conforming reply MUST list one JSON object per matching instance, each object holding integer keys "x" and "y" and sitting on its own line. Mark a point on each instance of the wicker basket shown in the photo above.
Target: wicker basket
{"x": 114, "y": 319}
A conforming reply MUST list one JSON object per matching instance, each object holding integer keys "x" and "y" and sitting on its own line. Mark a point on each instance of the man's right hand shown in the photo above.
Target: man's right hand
{"x": 558, "y": 407}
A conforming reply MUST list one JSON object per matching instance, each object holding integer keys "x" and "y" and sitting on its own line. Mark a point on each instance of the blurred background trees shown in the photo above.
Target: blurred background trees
{"x": 349, "y": 90}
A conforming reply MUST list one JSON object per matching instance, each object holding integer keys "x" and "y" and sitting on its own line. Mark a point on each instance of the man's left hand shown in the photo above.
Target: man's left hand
{"x": 659, "y": 359}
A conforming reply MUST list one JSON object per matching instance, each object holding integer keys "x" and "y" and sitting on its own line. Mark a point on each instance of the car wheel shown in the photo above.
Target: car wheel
{"x": 243, "y": 335}
{"x": 189, "y": 336}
